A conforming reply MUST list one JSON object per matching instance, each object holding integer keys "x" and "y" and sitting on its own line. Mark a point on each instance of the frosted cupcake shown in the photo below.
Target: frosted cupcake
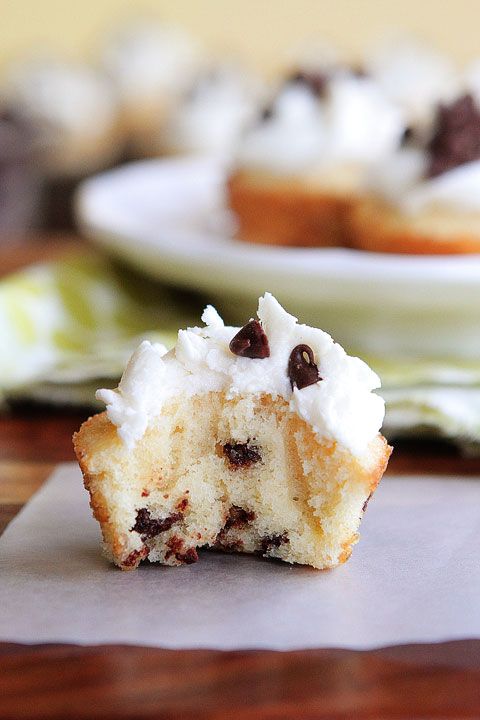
{"x": 220, "y": 105}
{"x": 302, "y": 165}
{"x": 73, "y": 111}
{"x": 263, "y": 439}
{"x": 426, "y": 200}
{"x": 151, "y": 67}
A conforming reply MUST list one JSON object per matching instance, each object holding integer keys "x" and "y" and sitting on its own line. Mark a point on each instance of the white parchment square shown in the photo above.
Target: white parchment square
{"x": 414, "y": 577}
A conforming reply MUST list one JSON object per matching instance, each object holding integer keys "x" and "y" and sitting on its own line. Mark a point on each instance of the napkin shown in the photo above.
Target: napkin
{"x": 413, "y": 577}
{"x": 69, "y": 326}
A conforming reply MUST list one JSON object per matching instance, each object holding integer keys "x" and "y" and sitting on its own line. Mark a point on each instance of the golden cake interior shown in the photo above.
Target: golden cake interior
{"x": 240, "y": 475}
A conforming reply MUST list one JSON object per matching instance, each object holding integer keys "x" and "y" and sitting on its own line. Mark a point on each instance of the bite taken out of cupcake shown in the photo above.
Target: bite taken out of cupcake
{"x": 302, "y": 164}
{"x": 426, "y": 198}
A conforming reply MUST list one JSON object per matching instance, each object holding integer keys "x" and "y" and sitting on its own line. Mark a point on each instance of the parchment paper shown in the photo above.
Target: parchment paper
{"x": 414, "y": 577}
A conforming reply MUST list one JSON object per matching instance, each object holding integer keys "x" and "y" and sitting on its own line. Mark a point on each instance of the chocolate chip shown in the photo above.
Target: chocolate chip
{"x": 250, "y": 342}
{"x": 302, "y": 371}
{"x": 149, "y": 527}
{"x": 241, "y": 454}
{"x": 364, "y": 506}
{"x": 176, "y": 545}
{"x": 238, "y": 517}
{"x": 456, "y": 139}
{"x": 182, "y": 505}
{"x": 135, "y": 557}
{"x": 274, "y": 541}
{"x": 315, "y": 81}
{"x": 229, "y": 546}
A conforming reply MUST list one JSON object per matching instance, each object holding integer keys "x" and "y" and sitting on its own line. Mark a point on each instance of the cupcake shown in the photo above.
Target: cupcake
{"x": 211, "y": 116}
{"x": 262, "y": 439}
{"x": 73, "y": 110}
{"x": 74, "y": 115}
{"x": 298, "y": 170}
{"x": 426, "y": 198}
{"x": 151, "y": 67}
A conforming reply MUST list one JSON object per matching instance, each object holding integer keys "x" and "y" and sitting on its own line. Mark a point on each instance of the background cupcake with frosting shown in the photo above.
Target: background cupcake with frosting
{"x": 425, "y": 199}
{"x": 301, "y": 165}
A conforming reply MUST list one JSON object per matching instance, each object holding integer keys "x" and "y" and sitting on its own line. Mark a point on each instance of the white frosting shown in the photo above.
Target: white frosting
{"x": 401, "y": 181}
{"x": 145, "y": 58}
{"x": 354, "y": 123}
{"x": 65, "y": 98}
{"x": 340, "y": 407}
{"x": 414, "y": 76}
{"x": 214, "y": 113}
{"x": 73, "y": 110}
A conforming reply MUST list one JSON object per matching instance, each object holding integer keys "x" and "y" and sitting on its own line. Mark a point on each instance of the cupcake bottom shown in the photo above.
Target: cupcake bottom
{"x": 376, "y": 226}
{"x": 288, "y": 210}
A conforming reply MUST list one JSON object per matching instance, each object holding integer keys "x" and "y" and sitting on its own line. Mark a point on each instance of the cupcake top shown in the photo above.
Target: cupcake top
{"x": 213, "y": 112}
{"x": 147, "y": 61}
{"x": 413, "y": 76}
{"x": 274, "y": 355}
{"x": 67, "y": 104}
{"x": 444, "y": 171}
{"x": 319, "y": 121}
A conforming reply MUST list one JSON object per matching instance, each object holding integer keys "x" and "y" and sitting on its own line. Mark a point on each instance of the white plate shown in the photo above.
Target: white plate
{"x": 168, "y": 218}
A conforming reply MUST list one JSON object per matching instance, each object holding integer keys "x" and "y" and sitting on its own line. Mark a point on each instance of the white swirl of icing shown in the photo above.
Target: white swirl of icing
{"x": 401, "y": 181}
{"x": 352, "y": 123}
{"x": 340, "y": 407}
{"x": 214, "y": 113}
{"x": 145, "y": 58}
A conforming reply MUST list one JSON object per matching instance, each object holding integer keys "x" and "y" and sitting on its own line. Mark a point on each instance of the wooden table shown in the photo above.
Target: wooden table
{"x": 65, "y": 681}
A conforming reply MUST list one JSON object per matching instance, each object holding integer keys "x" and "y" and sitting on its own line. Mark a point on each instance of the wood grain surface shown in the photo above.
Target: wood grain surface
{"x": 64, "y": 681}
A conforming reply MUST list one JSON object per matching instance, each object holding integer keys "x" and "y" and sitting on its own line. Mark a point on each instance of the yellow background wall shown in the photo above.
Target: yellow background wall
{"x": 259, "y": 30}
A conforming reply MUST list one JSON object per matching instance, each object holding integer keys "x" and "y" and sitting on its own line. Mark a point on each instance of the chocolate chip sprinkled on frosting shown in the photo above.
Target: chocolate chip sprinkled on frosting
{"x": 315, "y": 81}
{"x": 457, "y": 136}
{"x": 302, "y": 370}
{"x": 250, "y": 342}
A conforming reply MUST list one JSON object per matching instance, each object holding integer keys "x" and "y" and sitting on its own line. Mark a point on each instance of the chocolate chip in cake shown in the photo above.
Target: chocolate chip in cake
{"x": 149, "y": 527}
{"x": 364, "y": 506}
{"x": 456, "y": 139}
{"x": 250, "y": 342}
{"x": 181, "y": 506}
{"x": 135, "y": 557}
{"x": 176, "y": 547}
{"x": 241, "y": 454}
{"x": 302, "y": 370}
{"x": 238, "y": 517}
{"x": 274, "y": 541}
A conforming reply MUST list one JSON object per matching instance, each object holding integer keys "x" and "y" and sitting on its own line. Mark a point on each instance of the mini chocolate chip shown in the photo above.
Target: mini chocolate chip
{"x": 176, "y": 545}
{"x": 250, "y": 342}
{"x": 238, "y": 517}
{"x": 274, "y": 541}
{"x": 149, "y": 527}
{"x": 456, "y": 139}
{"x": 316, "y": 82}
{"x": 241, "y": 454}
{"x": 364, "y": 506}
{"x": 135, "y": 557}
{"x": 302, "y": 371}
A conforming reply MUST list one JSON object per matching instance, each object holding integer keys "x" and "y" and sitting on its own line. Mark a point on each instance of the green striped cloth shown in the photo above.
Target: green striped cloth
{"x": 68, "y": 327}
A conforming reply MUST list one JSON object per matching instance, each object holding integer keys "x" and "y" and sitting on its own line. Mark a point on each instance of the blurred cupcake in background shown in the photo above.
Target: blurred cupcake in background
{"x": 425, "y": 199}
{"x": 221, "y": 103}
{"x": 151, "y": 67}
{"x": 74, "y": 115}
{"x": 414, "y": 76}
{"x": 301, "y": 166}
